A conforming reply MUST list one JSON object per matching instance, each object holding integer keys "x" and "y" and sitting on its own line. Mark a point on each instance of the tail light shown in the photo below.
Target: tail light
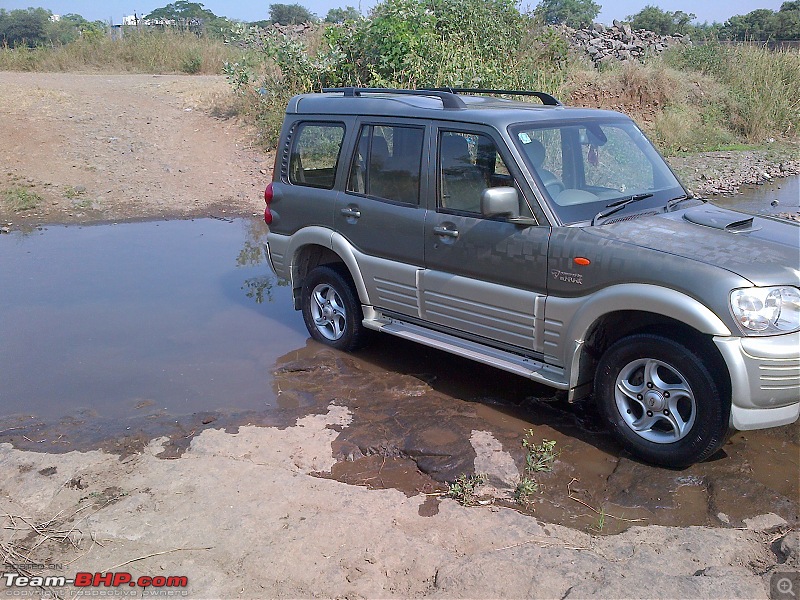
{"x": 268, "y": 200}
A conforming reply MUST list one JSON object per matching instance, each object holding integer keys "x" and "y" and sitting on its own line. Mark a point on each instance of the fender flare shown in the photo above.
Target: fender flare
{"x": 335, "y": 242}
{"x": 630, "y": 297}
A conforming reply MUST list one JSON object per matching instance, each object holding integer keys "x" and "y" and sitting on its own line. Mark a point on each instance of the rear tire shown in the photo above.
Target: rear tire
{"x": 661, "y": 401}
{"x": 331, "y": 308}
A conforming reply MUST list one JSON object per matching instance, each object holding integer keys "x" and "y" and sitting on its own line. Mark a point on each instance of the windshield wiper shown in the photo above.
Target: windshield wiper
{"x": 618, "y": 205}
{"x": 675, "y": 201}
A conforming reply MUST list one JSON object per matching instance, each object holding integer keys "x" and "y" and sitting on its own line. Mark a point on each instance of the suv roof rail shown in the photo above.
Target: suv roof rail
{"x": 449, "y": 98}
{"x": 546, "y": 99}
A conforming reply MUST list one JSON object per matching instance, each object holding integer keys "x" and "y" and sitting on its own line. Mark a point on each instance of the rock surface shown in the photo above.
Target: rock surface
{"x": 241, "y": 515}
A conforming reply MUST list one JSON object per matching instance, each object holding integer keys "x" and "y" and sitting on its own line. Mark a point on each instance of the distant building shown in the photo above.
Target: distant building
{"x": 135, "y": 20}
{"x": 55, "y": 18}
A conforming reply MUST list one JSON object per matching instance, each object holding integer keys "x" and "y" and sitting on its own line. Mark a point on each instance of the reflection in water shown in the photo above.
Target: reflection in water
{"x": 152, "y": 315}
{"x": 253, "y": 254}
{"x": 104, "y": 323}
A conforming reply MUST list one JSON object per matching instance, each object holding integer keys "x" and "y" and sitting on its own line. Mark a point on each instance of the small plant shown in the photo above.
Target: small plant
{"x": 463, "y": 488}
{"x": 526, "y": 488}
{"x": 20, "y": 199}
{"x": 601, "y": 521}
{"x": 192, "y": 64}
{"x": 85, "y": 204}
{"x": 71, "y": 192}
{"x": 538, "y": 458}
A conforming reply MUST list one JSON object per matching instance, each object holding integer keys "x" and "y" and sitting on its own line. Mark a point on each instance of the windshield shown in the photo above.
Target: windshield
{"x": 583, "y": 166}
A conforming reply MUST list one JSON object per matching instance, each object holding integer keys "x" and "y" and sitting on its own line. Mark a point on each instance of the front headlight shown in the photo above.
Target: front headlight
{"x": 766, "y": 311}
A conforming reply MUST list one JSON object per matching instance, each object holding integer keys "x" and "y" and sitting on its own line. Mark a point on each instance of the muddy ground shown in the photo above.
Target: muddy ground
{"x": 341, "y": 492}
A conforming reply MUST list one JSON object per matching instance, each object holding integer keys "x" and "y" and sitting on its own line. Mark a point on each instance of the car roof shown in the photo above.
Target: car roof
{"x": 441, "y": 106}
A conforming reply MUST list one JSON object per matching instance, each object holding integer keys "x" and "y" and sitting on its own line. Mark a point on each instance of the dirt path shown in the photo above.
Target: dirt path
{"x": 120, "y": 147}
{"x": 253, "y": 512}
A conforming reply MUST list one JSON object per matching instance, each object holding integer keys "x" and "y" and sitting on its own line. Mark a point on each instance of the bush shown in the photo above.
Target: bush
{"x": 763, "y": 85}
{"x": 404, "y": 43}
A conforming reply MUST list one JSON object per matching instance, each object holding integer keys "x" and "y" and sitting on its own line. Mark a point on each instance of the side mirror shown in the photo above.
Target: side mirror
{"x": 500, "y": 202}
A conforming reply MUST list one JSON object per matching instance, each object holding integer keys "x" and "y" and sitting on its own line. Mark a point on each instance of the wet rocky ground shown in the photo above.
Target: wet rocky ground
{"x": 724, "y": 173}
{"x": 420, "y": 417}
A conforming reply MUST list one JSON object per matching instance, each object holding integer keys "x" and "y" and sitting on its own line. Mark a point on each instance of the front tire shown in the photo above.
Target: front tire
{"x": 331, "y": 308}
{"x": 661, "y": 401}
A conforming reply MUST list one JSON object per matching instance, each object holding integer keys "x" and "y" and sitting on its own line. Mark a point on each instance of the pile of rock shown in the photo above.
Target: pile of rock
{"x": 293, "y": 31}
{"x": 619, "y": 42}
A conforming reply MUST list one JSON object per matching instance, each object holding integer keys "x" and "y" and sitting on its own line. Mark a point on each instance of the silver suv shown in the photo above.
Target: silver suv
{"x": 547, "y": 241}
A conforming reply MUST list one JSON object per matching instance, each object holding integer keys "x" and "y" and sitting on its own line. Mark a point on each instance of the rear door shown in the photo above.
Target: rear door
{"x": 380, "y": 212}
{"x": 484, "y": 278}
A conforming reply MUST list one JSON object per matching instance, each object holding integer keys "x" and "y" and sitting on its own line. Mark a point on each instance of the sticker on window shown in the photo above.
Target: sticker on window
{"x": 524, "y": 138}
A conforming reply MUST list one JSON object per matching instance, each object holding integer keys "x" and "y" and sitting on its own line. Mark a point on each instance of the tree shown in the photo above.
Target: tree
{"x": 290, "y": 14}
{"x": 24, "y": 27}
{"x": 182, "y": 14}
{"x": 575, "y": 13}
{"x": 341, "y": 15}
{"x": 90, "y": 29}
{"x": 662, "y": 22}
{"x": 763, "y": 24}
{"x": 760, "y": 24}
{"x": 220, "y": 28}
{"x": 788, "y": 21}
{"x": 72, "y": 27}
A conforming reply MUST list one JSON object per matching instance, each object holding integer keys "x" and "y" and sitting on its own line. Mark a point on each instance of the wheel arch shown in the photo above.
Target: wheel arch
{"x": 315, "y": 246}
{"x": 635, "y": 308}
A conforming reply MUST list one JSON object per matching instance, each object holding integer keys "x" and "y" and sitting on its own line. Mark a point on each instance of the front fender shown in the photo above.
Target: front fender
{"x": 568, "y": 320}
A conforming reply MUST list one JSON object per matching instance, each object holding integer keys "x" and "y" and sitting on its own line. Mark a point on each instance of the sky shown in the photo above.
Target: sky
{"x": 256, "y": 10}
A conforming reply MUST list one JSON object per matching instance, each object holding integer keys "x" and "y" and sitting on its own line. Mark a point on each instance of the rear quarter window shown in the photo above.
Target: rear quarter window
{"x": 314, "y": 154}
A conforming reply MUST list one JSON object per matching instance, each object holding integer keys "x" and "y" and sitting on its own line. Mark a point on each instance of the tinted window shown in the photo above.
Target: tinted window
{"x": 387, "y": 163}
{"x": 315, "y": 154}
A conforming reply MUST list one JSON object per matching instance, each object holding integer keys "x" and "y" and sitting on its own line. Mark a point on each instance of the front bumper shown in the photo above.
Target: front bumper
{"x": 765, "y": 379}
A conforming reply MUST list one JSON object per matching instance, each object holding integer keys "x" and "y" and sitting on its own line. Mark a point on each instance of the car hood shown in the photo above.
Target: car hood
{"x": 764, "y": 250}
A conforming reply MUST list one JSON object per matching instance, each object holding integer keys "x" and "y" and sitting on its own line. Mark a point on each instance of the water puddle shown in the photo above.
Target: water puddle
{"x": 155, "y": 317}
{"x": 114, "y": 335}
{"x": 779, "y": 196}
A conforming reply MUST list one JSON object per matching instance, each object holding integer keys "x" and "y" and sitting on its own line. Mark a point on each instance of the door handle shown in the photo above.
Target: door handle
{"x": 351, "y": 212}
{"x": 443, "y": 231}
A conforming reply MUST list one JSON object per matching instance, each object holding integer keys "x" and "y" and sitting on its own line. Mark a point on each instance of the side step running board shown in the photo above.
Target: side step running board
{"x": 507, "y": 361}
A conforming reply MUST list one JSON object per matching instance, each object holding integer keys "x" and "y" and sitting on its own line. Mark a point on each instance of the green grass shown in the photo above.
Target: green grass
{"x": 539, "y": 458}
{"x": 761, "y": 84}
{"x": 525, "y": 490}
{"x": 463, "y": 488}
{"x": 600, "y": 524}
{"x": 72, "y": 192}
{"x": 20, "y": 199}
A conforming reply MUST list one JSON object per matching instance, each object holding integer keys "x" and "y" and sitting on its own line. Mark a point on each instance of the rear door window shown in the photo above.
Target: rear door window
{"x": 387, "y": 163}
